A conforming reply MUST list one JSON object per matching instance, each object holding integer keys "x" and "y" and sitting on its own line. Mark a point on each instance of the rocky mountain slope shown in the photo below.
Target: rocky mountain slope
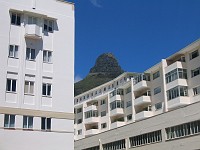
{"x": 105, "y": 69}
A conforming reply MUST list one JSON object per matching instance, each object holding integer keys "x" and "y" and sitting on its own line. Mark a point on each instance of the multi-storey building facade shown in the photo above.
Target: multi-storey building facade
{"x": 143, "y": 103}
{"x": 36, "y": 74}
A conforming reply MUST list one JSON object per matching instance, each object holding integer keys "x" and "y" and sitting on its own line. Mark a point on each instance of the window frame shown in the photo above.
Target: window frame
{"x": 196, "y": 90}
{"x": 30, "y": 83}
{"x": 194, "y": 54}
{"x": 197, "y": 70}
{"x": 156, "y": 75}
{"x": 48, "y": 58}
{"x": 45, "y": 124}
{"x": 157, "y": 90}
{"x": 27, "y": 122}
{"x": 9, "y": 123}
{"x": 11, "y": 85}
{"x": 158, "y": 106}
{"x": 47, "y": 85}
{"x": 16, "y": 21}
{"x": 47, "y": 27}
{"x": 15, "y": 51}
{"x": 30, "y": 54}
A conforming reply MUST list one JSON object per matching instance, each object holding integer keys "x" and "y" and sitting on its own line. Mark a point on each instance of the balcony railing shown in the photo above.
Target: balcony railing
{"x": 33, "y": 31}
{"x": 143, "y": 115}
{"x": 143, "y": 100}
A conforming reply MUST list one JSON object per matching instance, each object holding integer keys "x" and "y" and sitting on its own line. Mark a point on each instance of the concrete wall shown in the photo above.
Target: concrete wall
{"x": 160, "y": 122}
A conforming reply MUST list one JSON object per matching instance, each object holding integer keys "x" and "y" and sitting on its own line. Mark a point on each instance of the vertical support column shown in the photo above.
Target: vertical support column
{"x": 127, "y": 143}
{"x": 132, "y": 98}
{"x": 100, "y": 145}
{"x": 164, "y": 65}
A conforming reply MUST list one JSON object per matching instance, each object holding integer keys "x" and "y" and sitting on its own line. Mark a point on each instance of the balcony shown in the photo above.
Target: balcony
{"x": 142, "y": 115}
{"x": 92, "y": 120}
{"x": 116, "y": 112}
{"x": 33, "y": 31}
{"x": 91, "y": 107}
{"x": 178, "y": 102}
{"x": 141, "y": 85}
{"x": 117, "y": 124}
{"x": 116, "y": 95}
{"x": 177, "y": 64}
{"x": 142, "y": 100}
{"x": 177, "y": 82}
{"x": 91, "y": 132}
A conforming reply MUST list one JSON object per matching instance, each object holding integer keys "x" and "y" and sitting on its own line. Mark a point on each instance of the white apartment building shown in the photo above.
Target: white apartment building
{"x": 159, "y": 107}
{"x": 36, "y": 74}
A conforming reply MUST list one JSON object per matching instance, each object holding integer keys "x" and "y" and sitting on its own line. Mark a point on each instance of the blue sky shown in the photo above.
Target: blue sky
{"x": 138, "y": 32}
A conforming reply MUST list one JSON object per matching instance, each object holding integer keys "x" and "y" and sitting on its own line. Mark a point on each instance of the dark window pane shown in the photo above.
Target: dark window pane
{"x": 14, "y": 85}
{"x": 30, "y": 122}
{"x": 12, "y": 120}
{"x": 49, "y": 90}
{"x": 6, "y": 120}
{"x": 32, "y": 54}
{"x": 18, "y": 20}
{"x": 49, "y": 123}
{"x": 13, "y": 18}
{"x": 8, "y": 85}
{"x": 43, "y": 123}
{"x": 44, "y": 89}
{"x": 25, "y": 122}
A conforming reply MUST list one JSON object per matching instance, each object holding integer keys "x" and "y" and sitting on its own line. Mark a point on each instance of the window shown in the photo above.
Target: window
{"x": 80, "y": 132}
{"x": 103, "y": 113}
{"x": 9, "y": 121}
{"x": 158, "y": 106}
{"x": 129, "y": 117}
{"x": 11, "y": 85}
{"x": 116, "y": 104}
{"x": 147, "y": 138}
{"x": 15, "y": 19}
{"x": 195, "y": 72}
{"x": 156, "y": 75}
{"x": 157, "y": 90}
{"x": 47, "y": 56}
{"x": 46, "y": 89}
{"x": 79, "y": 110}
{"x": 176, "y": 92}
{"x": 129, "y": 103}
{"x": 27, "y": 122}
{"x": 196, "y": 90}
{"x": 30, "y": 54}
{"x": 91, "y": 113}
{"x": 13, "y": 51}
{"x": 104, "y": 89}
{"x": 32, "y": 20}
{"x": 194, "y": 54}
{"x": 79, "y": 121}
{"x": 116, "y": 145}
{"x": 48, "y": 25}
{"x": 103, "y": 125}
{"x": 45, "y": 123}
{"x": 128, "y": 90}
{"x": 177, "y": 73}
{"x": 183, "y": 130}
{"x": 29, "y": 87}
{"x": 103, "y": 101}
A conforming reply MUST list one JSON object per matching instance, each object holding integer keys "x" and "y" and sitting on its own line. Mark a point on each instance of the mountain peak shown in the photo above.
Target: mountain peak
{"x": 106, "y": 63}
{"x": 106, "y": 68}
